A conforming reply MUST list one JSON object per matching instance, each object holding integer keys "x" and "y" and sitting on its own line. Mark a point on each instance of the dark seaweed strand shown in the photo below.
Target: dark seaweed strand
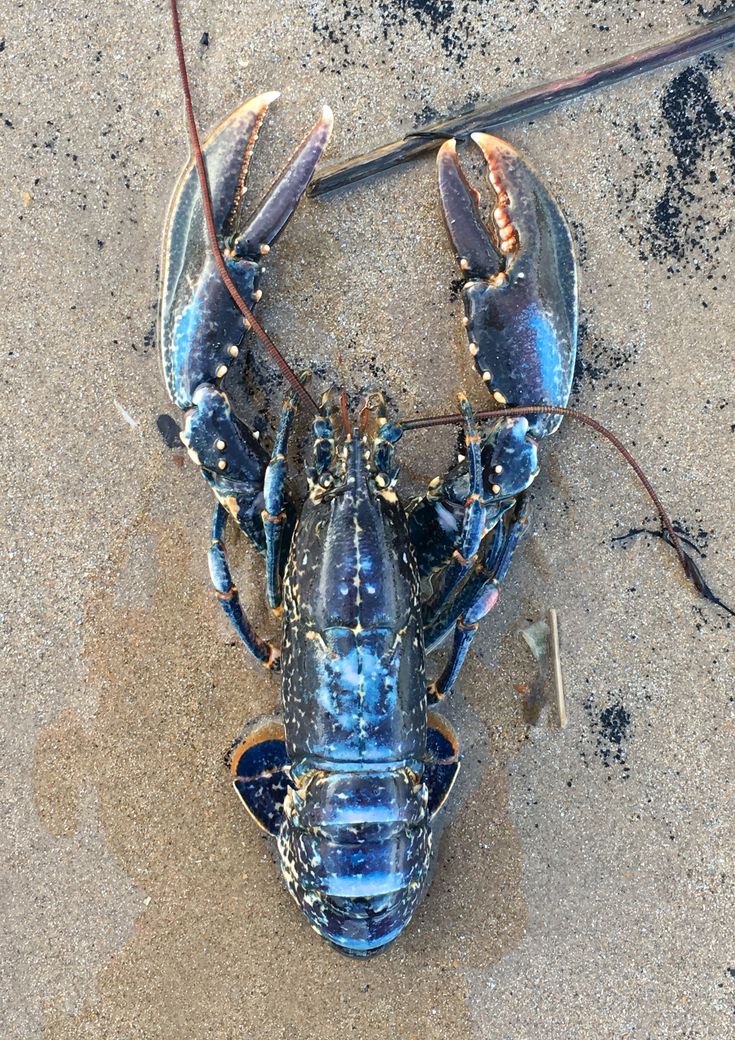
{"x": 691, "y": 571}
{"x": 527, "y": 104}
{"x": 196, "y": 148}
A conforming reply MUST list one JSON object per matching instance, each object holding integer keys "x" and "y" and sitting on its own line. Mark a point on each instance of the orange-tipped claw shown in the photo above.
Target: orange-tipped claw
{"x": 520, "y": 296}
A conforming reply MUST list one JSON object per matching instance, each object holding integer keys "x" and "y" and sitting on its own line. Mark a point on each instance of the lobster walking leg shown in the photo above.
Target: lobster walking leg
{"x": 476, "y": 600}
{"x": 509, "y": 463}
{"x": 276, "y": 519}
{"x": 474, "y": 519}
{"x": 229, "y": 598}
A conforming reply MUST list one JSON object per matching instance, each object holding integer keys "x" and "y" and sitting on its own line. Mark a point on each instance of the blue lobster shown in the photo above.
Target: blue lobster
{"x": 350, "y": 777}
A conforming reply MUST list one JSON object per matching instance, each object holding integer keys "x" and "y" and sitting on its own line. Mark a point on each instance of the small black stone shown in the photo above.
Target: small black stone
{"x": 169, "y": 430}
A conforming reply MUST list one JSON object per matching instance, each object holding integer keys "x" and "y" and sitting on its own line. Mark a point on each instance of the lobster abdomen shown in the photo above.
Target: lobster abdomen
{"x": 354, "y": 850}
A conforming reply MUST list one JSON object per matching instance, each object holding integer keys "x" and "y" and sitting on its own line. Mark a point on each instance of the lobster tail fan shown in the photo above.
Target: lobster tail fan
{"x": 260, "y": 766}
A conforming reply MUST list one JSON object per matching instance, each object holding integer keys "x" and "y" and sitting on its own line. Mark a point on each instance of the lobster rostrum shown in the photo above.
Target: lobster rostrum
{"x": 350, "y": 776}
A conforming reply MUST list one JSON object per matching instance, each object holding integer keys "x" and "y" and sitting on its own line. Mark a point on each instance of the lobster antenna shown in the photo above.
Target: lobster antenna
{"x": 198, "y": 155}
{"x": 691, "y": 570}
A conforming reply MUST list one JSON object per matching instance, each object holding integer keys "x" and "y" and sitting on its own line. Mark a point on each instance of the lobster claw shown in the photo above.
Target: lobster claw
{"x": 200, "y": 328}
{"x": 520, "y": 298}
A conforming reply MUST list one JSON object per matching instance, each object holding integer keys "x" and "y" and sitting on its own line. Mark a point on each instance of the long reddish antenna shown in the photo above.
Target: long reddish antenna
{"x": 196, "y": 148}
{"x": 691, "y": 571}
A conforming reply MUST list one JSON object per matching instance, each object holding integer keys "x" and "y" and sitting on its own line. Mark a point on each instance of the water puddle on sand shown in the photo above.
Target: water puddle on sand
{"x": 219, "y": 949}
